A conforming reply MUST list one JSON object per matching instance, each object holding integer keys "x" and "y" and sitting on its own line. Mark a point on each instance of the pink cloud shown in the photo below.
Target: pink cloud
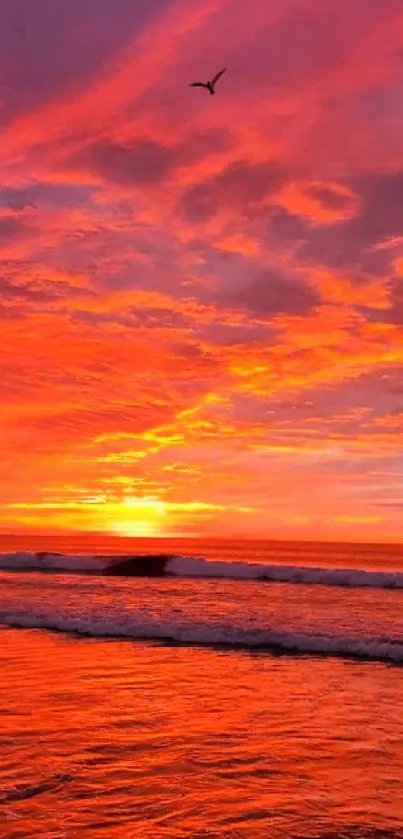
{"x": 200, "y": 297}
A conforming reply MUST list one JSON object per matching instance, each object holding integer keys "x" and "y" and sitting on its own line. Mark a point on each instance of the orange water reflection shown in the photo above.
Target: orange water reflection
{"x": 113, "y": 739}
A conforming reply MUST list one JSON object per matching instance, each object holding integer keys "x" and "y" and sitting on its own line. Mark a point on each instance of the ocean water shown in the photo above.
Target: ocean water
{"x": 255, "y": 691}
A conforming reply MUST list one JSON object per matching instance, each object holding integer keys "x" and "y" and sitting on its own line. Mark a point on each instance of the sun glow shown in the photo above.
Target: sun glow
{"x": 135, "y": 529}
{"x": 138, "y": 517}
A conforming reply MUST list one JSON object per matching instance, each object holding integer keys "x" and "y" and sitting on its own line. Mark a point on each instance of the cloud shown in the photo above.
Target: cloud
{"x": 36, "y": 45}
{"x": 331, "y": 197}
{"x": 201, "y": 296}
{"x": 355, "y": 242}
{"x": 13, "y": 228}
{"x": 240, "y": 188}
{"x": 267, "y": 293}
{"x": 143, "y": 162}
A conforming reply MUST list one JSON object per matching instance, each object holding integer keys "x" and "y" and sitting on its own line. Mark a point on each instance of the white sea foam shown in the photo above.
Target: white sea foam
{"x": 138, "y": 627}
{"x": 51, "y": 562}
{"x": 183, "y": 566}
{"x": 199, "y": 567}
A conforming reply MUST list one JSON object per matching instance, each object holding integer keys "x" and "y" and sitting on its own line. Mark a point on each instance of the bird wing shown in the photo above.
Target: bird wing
{"x": 197, "y": 84}
{"x": 218, "y": 76}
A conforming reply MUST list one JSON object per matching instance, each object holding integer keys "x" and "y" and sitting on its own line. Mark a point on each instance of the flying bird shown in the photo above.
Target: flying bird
{"x": 211, "y": 84}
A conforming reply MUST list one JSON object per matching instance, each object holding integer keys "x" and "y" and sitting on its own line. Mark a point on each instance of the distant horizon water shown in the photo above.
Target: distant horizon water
{"x": 354, "y": 556}
{"x": 95, "y": 536}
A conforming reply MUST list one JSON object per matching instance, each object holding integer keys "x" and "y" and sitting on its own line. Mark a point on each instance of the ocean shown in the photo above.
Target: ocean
{"x": 252, "y": 690}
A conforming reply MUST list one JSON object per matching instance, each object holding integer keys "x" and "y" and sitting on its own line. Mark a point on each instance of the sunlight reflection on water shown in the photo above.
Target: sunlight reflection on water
{"x": 115, "y": 739}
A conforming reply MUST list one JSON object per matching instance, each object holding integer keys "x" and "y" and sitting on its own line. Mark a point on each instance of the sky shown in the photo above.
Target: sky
{"x": 201, "y": 298}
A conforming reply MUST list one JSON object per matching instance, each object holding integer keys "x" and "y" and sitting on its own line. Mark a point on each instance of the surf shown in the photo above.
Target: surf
{"x": 168, "y": 565}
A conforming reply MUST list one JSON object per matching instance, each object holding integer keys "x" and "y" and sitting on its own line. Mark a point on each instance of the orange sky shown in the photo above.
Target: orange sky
{"x": 201, "y": 298}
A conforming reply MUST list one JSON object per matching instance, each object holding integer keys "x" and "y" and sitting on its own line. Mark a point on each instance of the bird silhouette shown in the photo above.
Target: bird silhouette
{"x": 211, "y": 84}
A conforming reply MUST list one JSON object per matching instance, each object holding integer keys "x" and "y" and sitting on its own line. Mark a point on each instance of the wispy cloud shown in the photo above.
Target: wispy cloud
{"x": 201, "y": 297}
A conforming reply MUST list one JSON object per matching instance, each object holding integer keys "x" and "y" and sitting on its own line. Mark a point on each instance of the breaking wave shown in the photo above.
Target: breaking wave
{"x": 184, "y": 566}
{"x": 137, "y": 626}
{"x": 199, "y": 567}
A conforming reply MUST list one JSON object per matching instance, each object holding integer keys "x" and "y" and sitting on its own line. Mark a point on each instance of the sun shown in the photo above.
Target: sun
{"x": 138, "y": 517}
{"x": 137, "y": 528}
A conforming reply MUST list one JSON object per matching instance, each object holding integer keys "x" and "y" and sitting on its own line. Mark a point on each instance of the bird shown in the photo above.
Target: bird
{"x": 211, "y": 84}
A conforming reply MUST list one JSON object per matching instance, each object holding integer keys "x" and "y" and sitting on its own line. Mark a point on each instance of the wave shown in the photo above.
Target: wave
{"x": 185, "y": 566}
{"x": 138, "y": 627}
{"x": 199, "y": 567}
{"x": 20, "y": 792}
{"x": 44, "y": 561}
